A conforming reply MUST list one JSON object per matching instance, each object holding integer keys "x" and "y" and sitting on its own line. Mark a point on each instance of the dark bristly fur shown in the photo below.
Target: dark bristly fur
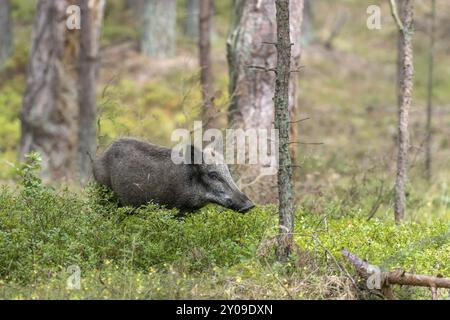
{"x": 140, "y": 172}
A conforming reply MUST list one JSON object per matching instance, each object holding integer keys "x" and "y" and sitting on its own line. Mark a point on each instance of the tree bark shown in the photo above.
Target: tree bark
{"x": 209, "y": 114}
{"x": 5, "y": 31}
{"x": 158, "y": 36}
{"x": 404, "y": 21}
{"x": 49, "y": 121}
{"x": 91, "y": 24}
{"x": 282, "y": 124}
{"x": 251, "y": 90}
{"x": 432, "y": 35}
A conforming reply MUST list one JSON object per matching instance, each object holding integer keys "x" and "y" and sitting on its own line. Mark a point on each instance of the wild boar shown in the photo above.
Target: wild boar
{"x": 140, "y": 172}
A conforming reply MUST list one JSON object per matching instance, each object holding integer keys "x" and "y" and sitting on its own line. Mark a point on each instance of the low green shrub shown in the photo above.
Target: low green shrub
{"x": 147, "y": 252}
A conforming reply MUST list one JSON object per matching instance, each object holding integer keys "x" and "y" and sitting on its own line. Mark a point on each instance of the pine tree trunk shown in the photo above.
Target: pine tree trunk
{"x": 432, "y": 35}
{"x": 191, "y": 20}
{"x": 5, "y": 31}
{"x": 91, "y": 24}
{"x": 405, "y": 76}
{"x": 158, "y": 36}
{"x": 209, "y": 115}
{"x": 252, "y": 90}
{"x": 49, "y": 123}
{"x": 282, "y": 124}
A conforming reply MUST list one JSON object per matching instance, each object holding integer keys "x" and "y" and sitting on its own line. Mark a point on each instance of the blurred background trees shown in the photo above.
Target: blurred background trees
{"x": 59, "y": 107}
{"x": 50, "y": 111}
{"x": 209, "y": 112}
{"x": 251, "y": 55}
{"x": 191, "y": 21}
{"x": 158, "y": 33}
{"x": 307, "y": 23}
{"x": 430, "y": 89}
{"x": 6, "y": 31}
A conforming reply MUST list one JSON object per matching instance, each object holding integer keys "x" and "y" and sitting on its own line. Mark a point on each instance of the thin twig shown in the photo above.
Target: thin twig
{"x": 301, "y": 120}
{"x": 263, "y": 68}
{"x": 271, "y": 43}
{"x": 278, "y": 280}
{"x": 394, "y": 11}
{"x": 313, "y": 143}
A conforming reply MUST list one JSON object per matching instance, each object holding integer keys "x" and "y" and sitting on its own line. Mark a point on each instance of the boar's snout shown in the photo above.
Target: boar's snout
{"x": 247, "y": 206}
{"x": 242, "y": 203}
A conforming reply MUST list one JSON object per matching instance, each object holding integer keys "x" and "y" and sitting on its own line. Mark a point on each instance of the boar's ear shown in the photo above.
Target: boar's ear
{"x": 193, "y": 155}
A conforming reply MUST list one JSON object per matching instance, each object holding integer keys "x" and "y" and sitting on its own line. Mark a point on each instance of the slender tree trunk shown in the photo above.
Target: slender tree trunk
{"x": 5, "y": 31}
{"x": 251, "y": 90}
{"x": 404, "y": 20}
{"x": 91, "y": 24}
{"x": 158, "y": 32}
{"x": 49, "y": 123}
{"x": 432, "y": 34}
{"x": 191, "y": 21}
{"x": 282, "y": 123}
{"x": 206, "y": 79}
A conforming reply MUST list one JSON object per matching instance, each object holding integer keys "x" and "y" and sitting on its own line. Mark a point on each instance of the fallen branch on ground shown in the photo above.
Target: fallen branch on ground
{"x": 383, "y": 280}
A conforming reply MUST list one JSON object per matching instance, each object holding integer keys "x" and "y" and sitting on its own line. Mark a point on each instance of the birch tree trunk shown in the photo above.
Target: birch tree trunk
{"x": 49, "y": 121}
{"x": 404, "y": 20}
{"x": 432, "y": 35}
{"x": 5, "y": 31}
{"x": 158, "y": 36}
{"x": 209, "y": 114}
{"x": 91, "y": 24}
{"x": 252, "y": 90}
{"x": 282, "y": 124}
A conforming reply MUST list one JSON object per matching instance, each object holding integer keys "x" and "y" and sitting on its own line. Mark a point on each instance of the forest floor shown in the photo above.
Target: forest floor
{"x": 49, "y": 238}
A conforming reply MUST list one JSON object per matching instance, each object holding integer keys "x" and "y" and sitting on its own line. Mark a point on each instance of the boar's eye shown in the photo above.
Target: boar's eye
{"x": 213, "y": 175}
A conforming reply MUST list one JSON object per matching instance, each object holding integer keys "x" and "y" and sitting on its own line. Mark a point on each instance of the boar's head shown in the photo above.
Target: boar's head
{"x": 215, "y": 182}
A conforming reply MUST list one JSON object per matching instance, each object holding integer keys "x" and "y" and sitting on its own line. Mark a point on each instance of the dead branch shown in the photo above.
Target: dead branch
{"x": 301, "y": 120}
{"x": 394, "y": 12}
{"x": 306, "y": 143}
{"x": 377, "y": 202}
{"x": 399, "y": 277}
{"x": 297, "y": 70}
{"x": 263, "y": 69}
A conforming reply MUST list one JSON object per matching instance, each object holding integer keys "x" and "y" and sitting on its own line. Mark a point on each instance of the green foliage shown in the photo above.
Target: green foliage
{"x": 148, "y": 253}
{"x": 42, "y": 230}
{"x": 23, "y": 10}
{"x": 28, "y": 172}
{"x": 151, "y": 111}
